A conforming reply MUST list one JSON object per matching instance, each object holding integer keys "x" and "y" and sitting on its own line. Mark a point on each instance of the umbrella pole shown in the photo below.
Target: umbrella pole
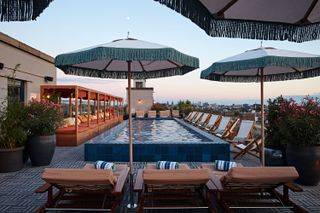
{"x": 262, "y": 117}
{"x": 131, "y": 204}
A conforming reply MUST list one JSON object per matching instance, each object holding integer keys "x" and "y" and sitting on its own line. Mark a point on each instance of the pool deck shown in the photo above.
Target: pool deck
{"x": 17, "y": 188}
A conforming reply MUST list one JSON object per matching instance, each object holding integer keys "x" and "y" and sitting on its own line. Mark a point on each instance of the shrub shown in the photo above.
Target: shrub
{"x": 43, "y": 118}
{"x": 158, "y": 107}
{"x": 12, "y": 132}
{"x": 290, "y": 122}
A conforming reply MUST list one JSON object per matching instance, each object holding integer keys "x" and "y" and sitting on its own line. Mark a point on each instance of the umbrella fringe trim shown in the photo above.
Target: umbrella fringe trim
{"x": 261, "y": 62}
{"x": 126, "y": 54}
{"x": 267, "y": 78}
{"x": 21, "y": 10}
{"x": 247, "y": 29}
{"x": 124, "y": 74}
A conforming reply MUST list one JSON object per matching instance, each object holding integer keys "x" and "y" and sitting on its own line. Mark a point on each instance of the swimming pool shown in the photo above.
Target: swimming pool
{"x": 157, "y": 139}
{"x": 154, "y": 131}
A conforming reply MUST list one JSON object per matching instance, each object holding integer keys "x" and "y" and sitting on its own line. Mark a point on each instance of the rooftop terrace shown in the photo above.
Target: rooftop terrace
{"x": 17, "y": 188}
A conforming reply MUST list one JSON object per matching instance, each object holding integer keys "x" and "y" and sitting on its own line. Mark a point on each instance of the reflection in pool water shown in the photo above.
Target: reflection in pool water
{"x": 157, "y": 131}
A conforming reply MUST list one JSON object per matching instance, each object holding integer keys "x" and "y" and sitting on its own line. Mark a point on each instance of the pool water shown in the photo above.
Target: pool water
{"x": 157, "y": 139}
{"x": 157, "y": 131}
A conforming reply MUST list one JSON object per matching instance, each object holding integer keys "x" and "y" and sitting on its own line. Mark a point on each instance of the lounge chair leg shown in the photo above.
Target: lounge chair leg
{"x": 140, "y": 202}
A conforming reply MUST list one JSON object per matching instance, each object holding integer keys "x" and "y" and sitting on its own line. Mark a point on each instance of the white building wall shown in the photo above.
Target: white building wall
{"x": 31, "y": 69}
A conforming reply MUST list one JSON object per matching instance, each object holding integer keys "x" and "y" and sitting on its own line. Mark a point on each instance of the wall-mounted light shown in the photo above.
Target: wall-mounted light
{"x": 48, "y": 78}
{"x": 33, "y": 96}
{"x": 1, "y": 66}
{"x": 48, "y": 96}
{"x": 139, "y": 101}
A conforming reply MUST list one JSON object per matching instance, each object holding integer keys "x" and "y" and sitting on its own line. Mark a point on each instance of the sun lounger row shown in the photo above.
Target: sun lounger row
{"x": 238, "y": 132}
{"x": 203, "y": 187}
{"x": 162, "y": 114}
{"x": 234, "y": 129}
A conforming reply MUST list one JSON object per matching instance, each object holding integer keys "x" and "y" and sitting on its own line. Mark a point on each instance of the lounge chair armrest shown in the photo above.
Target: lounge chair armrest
{"x": 216, "y": 181}
{"x": 121, "y": 181}
{"x": 138, "y": 185}
{"x": 210, "y": 186}
{"x": 293, "y": 187}
{"x": 45, "y": 187}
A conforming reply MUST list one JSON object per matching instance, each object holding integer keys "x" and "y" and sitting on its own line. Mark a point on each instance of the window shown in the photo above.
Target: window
{"x": 16, "y": 89}
{"x": 139, "y": 84}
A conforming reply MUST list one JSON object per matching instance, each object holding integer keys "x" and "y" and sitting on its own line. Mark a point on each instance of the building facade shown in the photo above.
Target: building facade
{"x": 23, "y": 69}
{"x": 141, "y": 96}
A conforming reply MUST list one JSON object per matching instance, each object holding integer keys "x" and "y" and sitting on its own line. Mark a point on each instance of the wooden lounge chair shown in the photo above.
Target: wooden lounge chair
{"x": 223, "y": 126}
{"x": 203, "y": 119}
{"x": 152, "y": 114}
{"x": 255, "y": 187}
{"x": 165, "y": 114}
{"x": 212, "y": 169}
{"x": 139, "y": 114}
{"x": 83, "y": 189}
{"x": 245, "y": 132}
{"x": 252, "y": 147}
{"x": 196, "y": 118}
{"x": 230, "y": 130}
{"x": 190, "y": 117}
{"x": 171, "y": 189}
{"x": 212, "y": 122}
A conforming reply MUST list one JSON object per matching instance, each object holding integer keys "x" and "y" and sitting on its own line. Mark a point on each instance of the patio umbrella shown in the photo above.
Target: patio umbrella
{"x": 264, "y": 64}
{"x": 293, "y": 20}
{"x": 126, "y": 59}
{"x": 22, "y": 10}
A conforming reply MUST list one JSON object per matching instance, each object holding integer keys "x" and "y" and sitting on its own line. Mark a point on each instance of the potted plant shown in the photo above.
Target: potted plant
{"x": 12, "y": 136}
{"x": 298, "y": 131}
{"x": 43, "y": 118}
{"x": 275, "y": 151}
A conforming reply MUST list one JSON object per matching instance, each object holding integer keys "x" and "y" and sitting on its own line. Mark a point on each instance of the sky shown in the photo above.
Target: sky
{"x": 75, "y": 24}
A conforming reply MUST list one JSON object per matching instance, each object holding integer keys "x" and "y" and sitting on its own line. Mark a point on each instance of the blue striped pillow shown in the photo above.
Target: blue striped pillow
{"x": 222, "y": 165}
{"x": 99, "y": 164}
{"x": 167, "y": 165}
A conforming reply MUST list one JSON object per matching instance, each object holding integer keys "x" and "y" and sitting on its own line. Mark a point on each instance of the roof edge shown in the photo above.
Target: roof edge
{"x": 25, "y": 48}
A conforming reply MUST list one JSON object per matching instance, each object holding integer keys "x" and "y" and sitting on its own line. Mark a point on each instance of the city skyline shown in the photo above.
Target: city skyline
{"x": 63, "y": 28}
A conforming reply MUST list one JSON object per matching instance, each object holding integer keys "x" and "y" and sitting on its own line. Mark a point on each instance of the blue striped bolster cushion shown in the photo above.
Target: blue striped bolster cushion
{"x": 104, "y": 165}
{"x": 167, "y": 165}
{"x": 222, "y": 165}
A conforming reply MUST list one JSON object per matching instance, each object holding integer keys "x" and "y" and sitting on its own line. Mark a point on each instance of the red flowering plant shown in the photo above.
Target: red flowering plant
{"x": 43, "y": 118}
{"x": 292, "y": 122}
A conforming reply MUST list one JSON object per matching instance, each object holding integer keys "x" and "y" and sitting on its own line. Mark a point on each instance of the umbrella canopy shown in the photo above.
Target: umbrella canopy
{"x": 292, "y": 20}
{"x": 264, "y": 64}
{"x": 22, "y": 10}
{"x": 149, "y": 60}
{"x": 127, "y": 58}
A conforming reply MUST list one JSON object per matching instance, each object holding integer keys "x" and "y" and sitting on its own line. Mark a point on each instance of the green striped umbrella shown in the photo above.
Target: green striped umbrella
{"x": 292, "y": 20}
{"x": 22, "y": 10}
{"x": 264, "y": 64}
{"x": 126, "y": 59}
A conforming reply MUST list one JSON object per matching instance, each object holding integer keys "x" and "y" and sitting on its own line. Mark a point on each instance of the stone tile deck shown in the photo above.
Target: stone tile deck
{"x": 17, "y": 188}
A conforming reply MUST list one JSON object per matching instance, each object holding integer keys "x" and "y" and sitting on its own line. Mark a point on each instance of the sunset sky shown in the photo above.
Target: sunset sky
{"x": 74, "y": 24}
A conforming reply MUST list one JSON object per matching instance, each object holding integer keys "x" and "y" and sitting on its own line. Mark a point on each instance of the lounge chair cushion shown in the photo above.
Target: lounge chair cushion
{"x": 99, "y": 164}
{"x": 78, "y": 176}
{"x": 181, "y": 166}
{"x": 260, "y": 175}
{"x": 178, "y": 176}
{"x": 167, "y": 165}
{"x": 222, "y": 165}
{"x": 118, "y": 168}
